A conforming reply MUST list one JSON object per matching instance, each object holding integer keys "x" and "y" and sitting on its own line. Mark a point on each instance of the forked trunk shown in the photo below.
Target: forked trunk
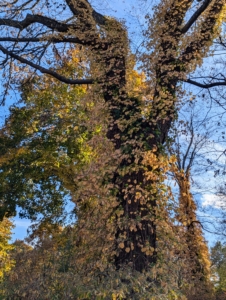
{"x": 133, "y": 135}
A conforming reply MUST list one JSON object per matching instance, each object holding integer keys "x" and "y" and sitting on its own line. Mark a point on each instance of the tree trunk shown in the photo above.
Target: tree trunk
{"x": 196, "y": 250}
{"x": 132, "y": 136}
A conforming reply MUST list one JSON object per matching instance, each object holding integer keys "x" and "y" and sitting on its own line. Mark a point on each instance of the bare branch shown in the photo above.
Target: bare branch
{"x": 189, "y": 147}
{"x": 46, "y": 71}
{"x": 206, "y": 85}
{"x": 43, "y": 39}
{"x": 31, "y": 19}
{"x": 195, "y": 16}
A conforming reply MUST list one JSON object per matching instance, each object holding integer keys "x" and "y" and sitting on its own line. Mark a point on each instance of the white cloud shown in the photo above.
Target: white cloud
{"x": 214, "y": 201}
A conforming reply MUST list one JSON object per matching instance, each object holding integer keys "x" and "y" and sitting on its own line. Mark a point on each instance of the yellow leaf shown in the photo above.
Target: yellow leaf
{"x": 121, "y": 245}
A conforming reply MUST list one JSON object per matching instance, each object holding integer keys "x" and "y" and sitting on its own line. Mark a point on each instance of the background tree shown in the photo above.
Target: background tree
{"x": 218, "y": 257}
{"x": 197, "y": 136}
{"x": 6, "y": 262}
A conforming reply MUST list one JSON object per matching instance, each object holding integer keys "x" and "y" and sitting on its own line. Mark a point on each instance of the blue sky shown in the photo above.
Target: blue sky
{"x": 20, "y": 230}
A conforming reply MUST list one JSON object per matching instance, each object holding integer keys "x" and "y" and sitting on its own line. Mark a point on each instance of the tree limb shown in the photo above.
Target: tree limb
{"x": 195, "y": 16}
{"x": 46, "y": 71}
{"x": 206, "y": 85}
{"x": 83, "y": 5}
{"x": 175, "y": 14}
{"x": 189, "y": 147}
{"x": 31, "y": 19}
{"x": 43, "y": 39}
{"x": 206, "y": 33}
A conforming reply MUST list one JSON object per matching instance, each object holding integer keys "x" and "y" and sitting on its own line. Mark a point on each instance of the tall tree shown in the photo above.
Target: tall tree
{"x": 177, "y": 46}
{"x": 196, "y": 133}
{"x": 218, "y": 257}
{"x": 196, "y": 250}
{"x": 6, "y": 261}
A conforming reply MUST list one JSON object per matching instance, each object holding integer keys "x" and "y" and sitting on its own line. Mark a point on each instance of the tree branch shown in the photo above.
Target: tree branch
{"x": 77, "y": 7}
{"x": 206, "y": 33}
{"x": 206, "y": 85}
{"x": 52, "y": 24}
{"x": 46, "y": 71}
{"x": 195, "y": 16}
{"x": 31, "y": 19}
{"x": 189, "y": 146}
{"x": 170, "y": 22}
{"x": 43, "y": 39}
{"x": 175, "y": 14}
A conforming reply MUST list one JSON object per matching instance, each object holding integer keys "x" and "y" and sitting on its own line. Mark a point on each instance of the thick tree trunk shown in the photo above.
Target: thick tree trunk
{"x": 132, "y": 136}
{"x": 129, "y": 133}
{"x": 134, "y": 228}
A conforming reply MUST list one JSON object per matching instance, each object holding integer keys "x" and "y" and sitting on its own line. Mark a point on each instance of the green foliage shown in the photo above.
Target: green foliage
{"x": 218, "y": 257}
{"x": 42, "y": 146}
{"x": 6, "y": 262}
